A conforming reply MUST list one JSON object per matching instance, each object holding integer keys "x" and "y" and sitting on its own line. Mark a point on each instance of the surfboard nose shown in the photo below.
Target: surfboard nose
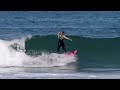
{"x": 75, "y": 51}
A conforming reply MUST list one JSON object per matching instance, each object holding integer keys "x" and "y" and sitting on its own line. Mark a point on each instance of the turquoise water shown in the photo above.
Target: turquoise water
{"x": 28, "y": 43}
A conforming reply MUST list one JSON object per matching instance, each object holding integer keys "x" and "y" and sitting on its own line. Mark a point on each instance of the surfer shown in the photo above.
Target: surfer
{"x": 61, "y": 36}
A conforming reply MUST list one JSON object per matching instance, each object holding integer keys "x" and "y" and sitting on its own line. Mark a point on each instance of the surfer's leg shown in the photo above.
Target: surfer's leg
{"x": 58, "y": 47}
{"x": 63, "y": 46}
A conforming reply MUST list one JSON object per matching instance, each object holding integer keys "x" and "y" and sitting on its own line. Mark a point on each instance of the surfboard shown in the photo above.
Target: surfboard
{"x": 71, "y": 53}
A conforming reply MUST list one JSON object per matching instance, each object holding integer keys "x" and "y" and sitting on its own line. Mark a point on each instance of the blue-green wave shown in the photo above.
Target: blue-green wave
{"x": 90, "y": 50}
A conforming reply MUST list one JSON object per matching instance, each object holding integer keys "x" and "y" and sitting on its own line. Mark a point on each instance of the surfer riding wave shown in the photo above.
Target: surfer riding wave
{"x": 61, "y": 36}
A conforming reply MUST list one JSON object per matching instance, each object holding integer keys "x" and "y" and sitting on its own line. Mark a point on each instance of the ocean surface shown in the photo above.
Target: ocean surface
{"x": 28, "y": 45}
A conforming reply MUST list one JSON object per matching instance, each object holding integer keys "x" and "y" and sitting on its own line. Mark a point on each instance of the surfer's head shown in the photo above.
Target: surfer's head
{"x": 63, "y": 32}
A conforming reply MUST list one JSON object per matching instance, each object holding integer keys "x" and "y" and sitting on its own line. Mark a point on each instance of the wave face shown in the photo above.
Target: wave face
{"x": 90, "y": 50}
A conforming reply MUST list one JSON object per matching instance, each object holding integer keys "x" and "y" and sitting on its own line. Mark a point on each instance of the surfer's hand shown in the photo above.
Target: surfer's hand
{"x": 70, "y": 39}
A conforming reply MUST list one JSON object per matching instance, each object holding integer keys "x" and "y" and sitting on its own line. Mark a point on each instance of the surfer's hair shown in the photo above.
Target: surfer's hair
{"x": 63, "y": 32}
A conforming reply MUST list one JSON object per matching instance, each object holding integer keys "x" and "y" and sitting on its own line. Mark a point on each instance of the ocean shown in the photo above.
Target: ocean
{"x": 28, "y": 45}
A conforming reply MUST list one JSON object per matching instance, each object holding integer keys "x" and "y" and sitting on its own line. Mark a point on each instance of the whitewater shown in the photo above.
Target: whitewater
{"x": 12, "y": 53}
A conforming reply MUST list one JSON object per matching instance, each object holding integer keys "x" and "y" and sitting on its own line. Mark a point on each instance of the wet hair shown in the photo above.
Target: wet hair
{"x": 63, "y": 32}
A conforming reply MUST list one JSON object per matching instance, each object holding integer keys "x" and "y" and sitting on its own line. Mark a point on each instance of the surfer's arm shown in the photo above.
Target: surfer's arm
{"x": 67, "y": 38}
{"x": 58, "y": 34}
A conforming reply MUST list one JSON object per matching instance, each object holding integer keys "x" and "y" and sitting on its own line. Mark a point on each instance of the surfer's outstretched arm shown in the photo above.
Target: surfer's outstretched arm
{"x": 67, "y": 38}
